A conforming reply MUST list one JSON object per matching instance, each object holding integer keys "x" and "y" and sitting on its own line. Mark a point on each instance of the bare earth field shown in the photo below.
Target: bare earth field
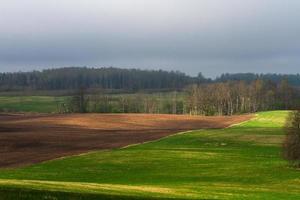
{"x": 28, "y": 139}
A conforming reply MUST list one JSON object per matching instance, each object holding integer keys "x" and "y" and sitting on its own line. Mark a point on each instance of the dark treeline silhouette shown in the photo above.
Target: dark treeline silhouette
{"x": 104, "y": 78}
{"x": 293, "y": 79}
{"x": 72, "y": 78}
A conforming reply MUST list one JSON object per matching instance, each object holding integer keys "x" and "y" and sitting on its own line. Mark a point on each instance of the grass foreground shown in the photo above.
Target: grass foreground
{"x": 240, "y": 162}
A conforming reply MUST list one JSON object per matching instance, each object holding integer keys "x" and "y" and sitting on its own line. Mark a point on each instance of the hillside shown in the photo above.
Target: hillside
{"x": 240, "y": 162}
{"x": 33, "y": 138}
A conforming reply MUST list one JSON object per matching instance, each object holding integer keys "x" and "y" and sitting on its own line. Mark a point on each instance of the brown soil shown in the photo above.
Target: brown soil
{"x": 28, "y": 139}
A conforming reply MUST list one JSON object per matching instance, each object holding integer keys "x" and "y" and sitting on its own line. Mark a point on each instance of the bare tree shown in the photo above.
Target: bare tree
{"x": 78, "y": 102}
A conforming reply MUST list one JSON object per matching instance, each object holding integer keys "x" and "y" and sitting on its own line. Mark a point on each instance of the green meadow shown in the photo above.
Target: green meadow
{"x": 240, "y": 162}
{"x": 35, "y": 104}
{"x": 53, "y": 104}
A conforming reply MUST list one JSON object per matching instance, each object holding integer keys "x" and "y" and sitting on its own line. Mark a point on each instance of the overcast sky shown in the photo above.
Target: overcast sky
{"x": 209, "y": 36}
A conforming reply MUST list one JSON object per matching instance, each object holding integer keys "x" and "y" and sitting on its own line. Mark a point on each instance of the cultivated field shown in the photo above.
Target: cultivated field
{"x": 28, "y": 139}
{"x": 240, "y": 162}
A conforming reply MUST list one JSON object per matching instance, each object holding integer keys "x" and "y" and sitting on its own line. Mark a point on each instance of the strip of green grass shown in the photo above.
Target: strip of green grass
{"x": 35, "y": 104}
{"x": 241, "y": 162}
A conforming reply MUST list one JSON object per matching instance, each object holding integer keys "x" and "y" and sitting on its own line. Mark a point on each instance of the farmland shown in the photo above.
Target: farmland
{"x": 240, "y": 162}
{"x": 149, "y": 100}
{"x": 31, "y": 138}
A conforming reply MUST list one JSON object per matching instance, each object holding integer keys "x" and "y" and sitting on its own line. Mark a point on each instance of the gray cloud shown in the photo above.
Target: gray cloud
{"x": 212, "y": 36}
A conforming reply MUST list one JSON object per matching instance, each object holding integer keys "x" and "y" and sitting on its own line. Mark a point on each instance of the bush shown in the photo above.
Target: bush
{"x": 291, "y": 145}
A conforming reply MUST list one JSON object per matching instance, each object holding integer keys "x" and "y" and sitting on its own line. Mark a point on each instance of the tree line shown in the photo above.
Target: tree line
{"x": 158, "y": 103}
{"x": 229, "y": 98}
{"x": 241, "y": 97}
{"x": 72, "y": 78}
{"x": 293, "y": 79}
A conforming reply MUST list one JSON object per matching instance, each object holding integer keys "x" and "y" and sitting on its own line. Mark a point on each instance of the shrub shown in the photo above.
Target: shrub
{"x": 291, "y": 145}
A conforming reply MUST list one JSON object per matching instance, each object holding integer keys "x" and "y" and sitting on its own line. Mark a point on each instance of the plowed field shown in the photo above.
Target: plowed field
{"x": 28, "y": 139}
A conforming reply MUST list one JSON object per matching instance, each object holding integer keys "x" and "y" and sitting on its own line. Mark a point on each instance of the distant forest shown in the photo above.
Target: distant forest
{"x": 293, "y": 79}
{"x": 73, "y": 78}
{"x": 171, "y": 92}
{"x": 103, "y": 78}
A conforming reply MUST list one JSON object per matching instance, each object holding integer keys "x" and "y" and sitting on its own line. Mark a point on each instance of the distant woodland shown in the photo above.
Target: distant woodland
{"x": 174, "y": 92}
{"x": 116, "y": 78}
{"x": 104, "y": 78}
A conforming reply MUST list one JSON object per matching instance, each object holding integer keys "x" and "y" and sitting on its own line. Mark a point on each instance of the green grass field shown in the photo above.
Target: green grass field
{"x": 53, "y": 104}
{"x": 240, "y": 162}
{"x": 35, "y": 104}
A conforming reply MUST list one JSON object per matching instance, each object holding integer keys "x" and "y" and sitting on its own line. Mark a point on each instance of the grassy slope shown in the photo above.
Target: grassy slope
{"x": 241, "y": 162}
{"x": 37, "y": 104}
